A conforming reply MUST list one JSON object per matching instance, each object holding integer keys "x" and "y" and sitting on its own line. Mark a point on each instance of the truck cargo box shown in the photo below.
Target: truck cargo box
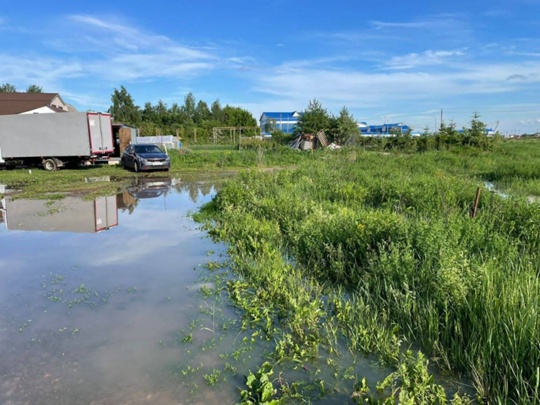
{"x": 55, "y": 135}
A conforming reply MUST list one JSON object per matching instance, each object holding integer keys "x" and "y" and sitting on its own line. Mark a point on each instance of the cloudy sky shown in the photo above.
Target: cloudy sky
{"x": 386, "y": 61}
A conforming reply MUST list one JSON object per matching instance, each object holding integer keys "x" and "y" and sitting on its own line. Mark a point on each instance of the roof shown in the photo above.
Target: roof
{"x": 289, "y": 115}
{"x": 17, "y": 103}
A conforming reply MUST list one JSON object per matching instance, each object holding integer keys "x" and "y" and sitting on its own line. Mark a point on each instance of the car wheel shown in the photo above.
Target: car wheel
{"x": 49, "y": 165}
{"x": 135, "y": 166}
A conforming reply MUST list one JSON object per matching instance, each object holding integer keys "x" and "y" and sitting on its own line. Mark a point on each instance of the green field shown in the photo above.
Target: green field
{"x": 379, "y": 250}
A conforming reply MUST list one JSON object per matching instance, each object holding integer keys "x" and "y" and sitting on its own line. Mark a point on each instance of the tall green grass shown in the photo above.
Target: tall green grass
{"x": 389, "y": 241}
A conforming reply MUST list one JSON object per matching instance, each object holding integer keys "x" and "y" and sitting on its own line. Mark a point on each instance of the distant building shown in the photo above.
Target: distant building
{"x": 32, "y": 103}
{"x": 287, "y": 121}
{"x": 281, "y": 121}
{"x": 383, "y": 130}
{"x": 487, "y": 131}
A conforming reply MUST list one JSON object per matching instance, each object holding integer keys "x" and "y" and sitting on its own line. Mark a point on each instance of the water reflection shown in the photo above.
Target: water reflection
{"x": 70, "y": 214}
{"x": 94, "y": 317}
{"x": 77, "y": 214}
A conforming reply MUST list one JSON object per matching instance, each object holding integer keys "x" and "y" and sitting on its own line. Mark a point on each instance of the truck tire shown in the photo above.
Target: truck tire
{"x": 49, "y": 165}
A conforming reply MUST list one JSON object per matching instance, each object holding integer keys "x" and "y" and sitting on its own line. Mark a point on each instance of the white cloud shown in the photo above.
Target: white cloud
{"x": 429, "y": 57}
{"x": 22, "y": 69}
{"x": 400, "y": 95}
{"x": 117, "y": 51}
{"x": 439, "y": 23}
{"x": 366, "y": 88}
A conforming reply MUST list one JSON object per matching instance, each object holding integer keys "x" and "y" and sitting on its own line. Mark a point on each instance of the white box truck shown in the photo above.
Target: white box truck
{"x": 55, "y": 140}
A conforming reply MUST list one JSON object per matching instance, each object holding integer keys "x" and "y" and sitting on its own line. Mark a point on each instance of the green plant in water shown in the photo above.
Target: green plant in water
{"x": 212, "y": 378}
{"x": 260, "y": 388}
{"x": 411, "y": 383}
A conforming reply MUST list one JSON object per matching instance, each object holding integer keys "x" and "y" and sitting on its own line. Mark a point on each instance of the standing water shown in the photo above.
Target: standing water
{"x": 97, "y": 297}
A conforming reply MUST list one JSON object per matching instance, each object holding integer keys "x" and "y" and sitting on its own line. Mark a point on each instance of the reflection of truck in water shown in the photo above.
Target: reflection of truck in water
{"x": 70, "y": 214}
{"x": 55, "y": 140}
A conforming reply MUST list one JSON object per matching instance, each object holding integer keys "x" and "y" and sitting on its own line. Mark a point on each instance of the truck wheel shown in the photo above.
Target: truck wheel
{"x": 135, "y": 166}
{"x": 49, "y": 165}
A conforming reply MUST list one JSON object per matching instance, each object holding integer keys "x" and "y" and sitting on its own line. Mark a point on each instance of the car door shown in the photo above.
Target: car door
{"x": 128, "y": 157}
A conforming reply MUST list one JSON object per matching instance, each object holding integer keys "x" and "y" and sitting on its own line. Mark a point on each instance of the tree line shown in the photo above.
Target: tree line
{"x": 192, "y": 120}
{"x": 343, "y": 130}
{"x": 9, "y": 88}
{"x": 196, "y": 120}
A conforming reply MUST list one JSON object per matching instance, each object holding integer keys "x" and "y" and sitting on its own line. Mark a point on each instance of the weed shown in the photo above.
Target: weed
{"x": 212, "y": 378}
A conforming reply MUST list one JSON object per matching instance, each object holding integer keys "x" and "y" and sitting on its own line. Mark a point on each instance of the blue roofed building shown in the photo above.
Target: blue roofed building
{"x": 280, "y": 121}
{"x": 383, "y": 129}
{"x": 287, "y": 121}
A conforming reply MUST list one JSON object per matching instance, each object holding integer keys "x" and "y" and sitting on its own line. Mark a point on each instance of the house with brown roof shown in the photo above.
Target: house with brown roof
{"x": 32, "y": 103}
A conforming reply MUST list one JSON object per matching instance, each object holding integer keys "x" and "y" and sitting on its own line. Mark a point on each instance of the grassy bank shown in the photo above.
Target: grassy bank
{"x": 185, "y": 163}
{"x": 380, "y": 251}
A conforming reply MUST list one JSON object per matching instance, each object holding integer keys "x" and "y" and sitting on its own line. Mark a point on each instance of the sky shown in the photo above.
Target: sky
{"x": 409, "y": 62}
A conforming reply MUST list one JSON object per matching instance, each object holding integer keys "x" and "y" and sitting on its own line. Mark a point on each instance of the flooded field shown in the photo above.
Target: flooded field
{"x": 95, "y": 294}
{"x": 121, "y": 300}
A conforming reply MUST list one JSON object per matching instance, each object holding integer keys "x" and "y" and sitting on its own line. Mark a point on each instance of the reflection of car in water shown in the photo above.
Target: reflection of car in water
{"x": 149, "y": 187}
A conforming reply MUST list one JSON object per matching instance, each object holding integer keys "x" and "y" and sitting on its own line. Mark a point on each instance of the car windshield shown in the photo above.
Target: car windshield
{"x": 147, "y": 149}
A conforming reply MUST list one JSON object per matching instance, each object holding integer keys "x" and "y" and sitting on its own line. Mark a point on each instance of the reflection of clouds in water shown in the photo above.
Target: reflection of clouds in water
{"x": 135, "y": 248}
{"x": 157, "y": 233}
{"x": 155, "y": 250}
{"x": 149, "y": 233}
{"x": 8, "y": 265}
{"x": 16, "y": 261}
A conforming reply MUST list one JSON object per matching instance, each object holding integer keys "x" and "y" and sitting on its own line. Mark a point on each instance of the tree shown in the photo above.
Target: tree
{"x": 202, "y": 112}
{"x": 217, "y": 112}
{"x": 162, "y": 113}
{"x": 476, "y": 135}
{"x": 7, "y": 88}
{"x": 123, "y": 109}
{"x": 270, "y": 126}
{"x": 176, "y": 114}
{"x": 238, "y": 117}
{"x": 345, "y": 126}
{"x": 448, "y": 130}
{"x": 34, "y": 88}
{"x": 189, "y": 109}
{"x": 314, "y": 119}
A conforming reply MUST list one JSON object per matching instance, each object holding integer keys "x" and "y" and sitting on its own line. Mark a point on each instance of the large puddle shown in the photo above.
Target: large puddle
{"x": 109, "y": 301}
{"x": 95, "y": 294}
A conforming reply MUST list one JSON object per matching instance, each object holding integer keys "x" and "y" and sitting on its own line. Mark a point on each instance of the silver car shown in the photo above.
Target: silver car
{"x": 144, "y": 157}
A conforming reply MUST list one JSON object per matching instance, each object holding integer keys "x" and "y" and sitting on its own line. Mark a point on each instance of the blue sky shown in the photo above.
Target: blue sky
{"x": 386, "y": 61}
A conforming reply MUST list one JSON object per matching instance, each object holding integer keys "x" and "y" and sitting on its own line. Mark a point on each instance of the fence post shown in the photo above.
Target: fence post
{"x": 476, "y": 201}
